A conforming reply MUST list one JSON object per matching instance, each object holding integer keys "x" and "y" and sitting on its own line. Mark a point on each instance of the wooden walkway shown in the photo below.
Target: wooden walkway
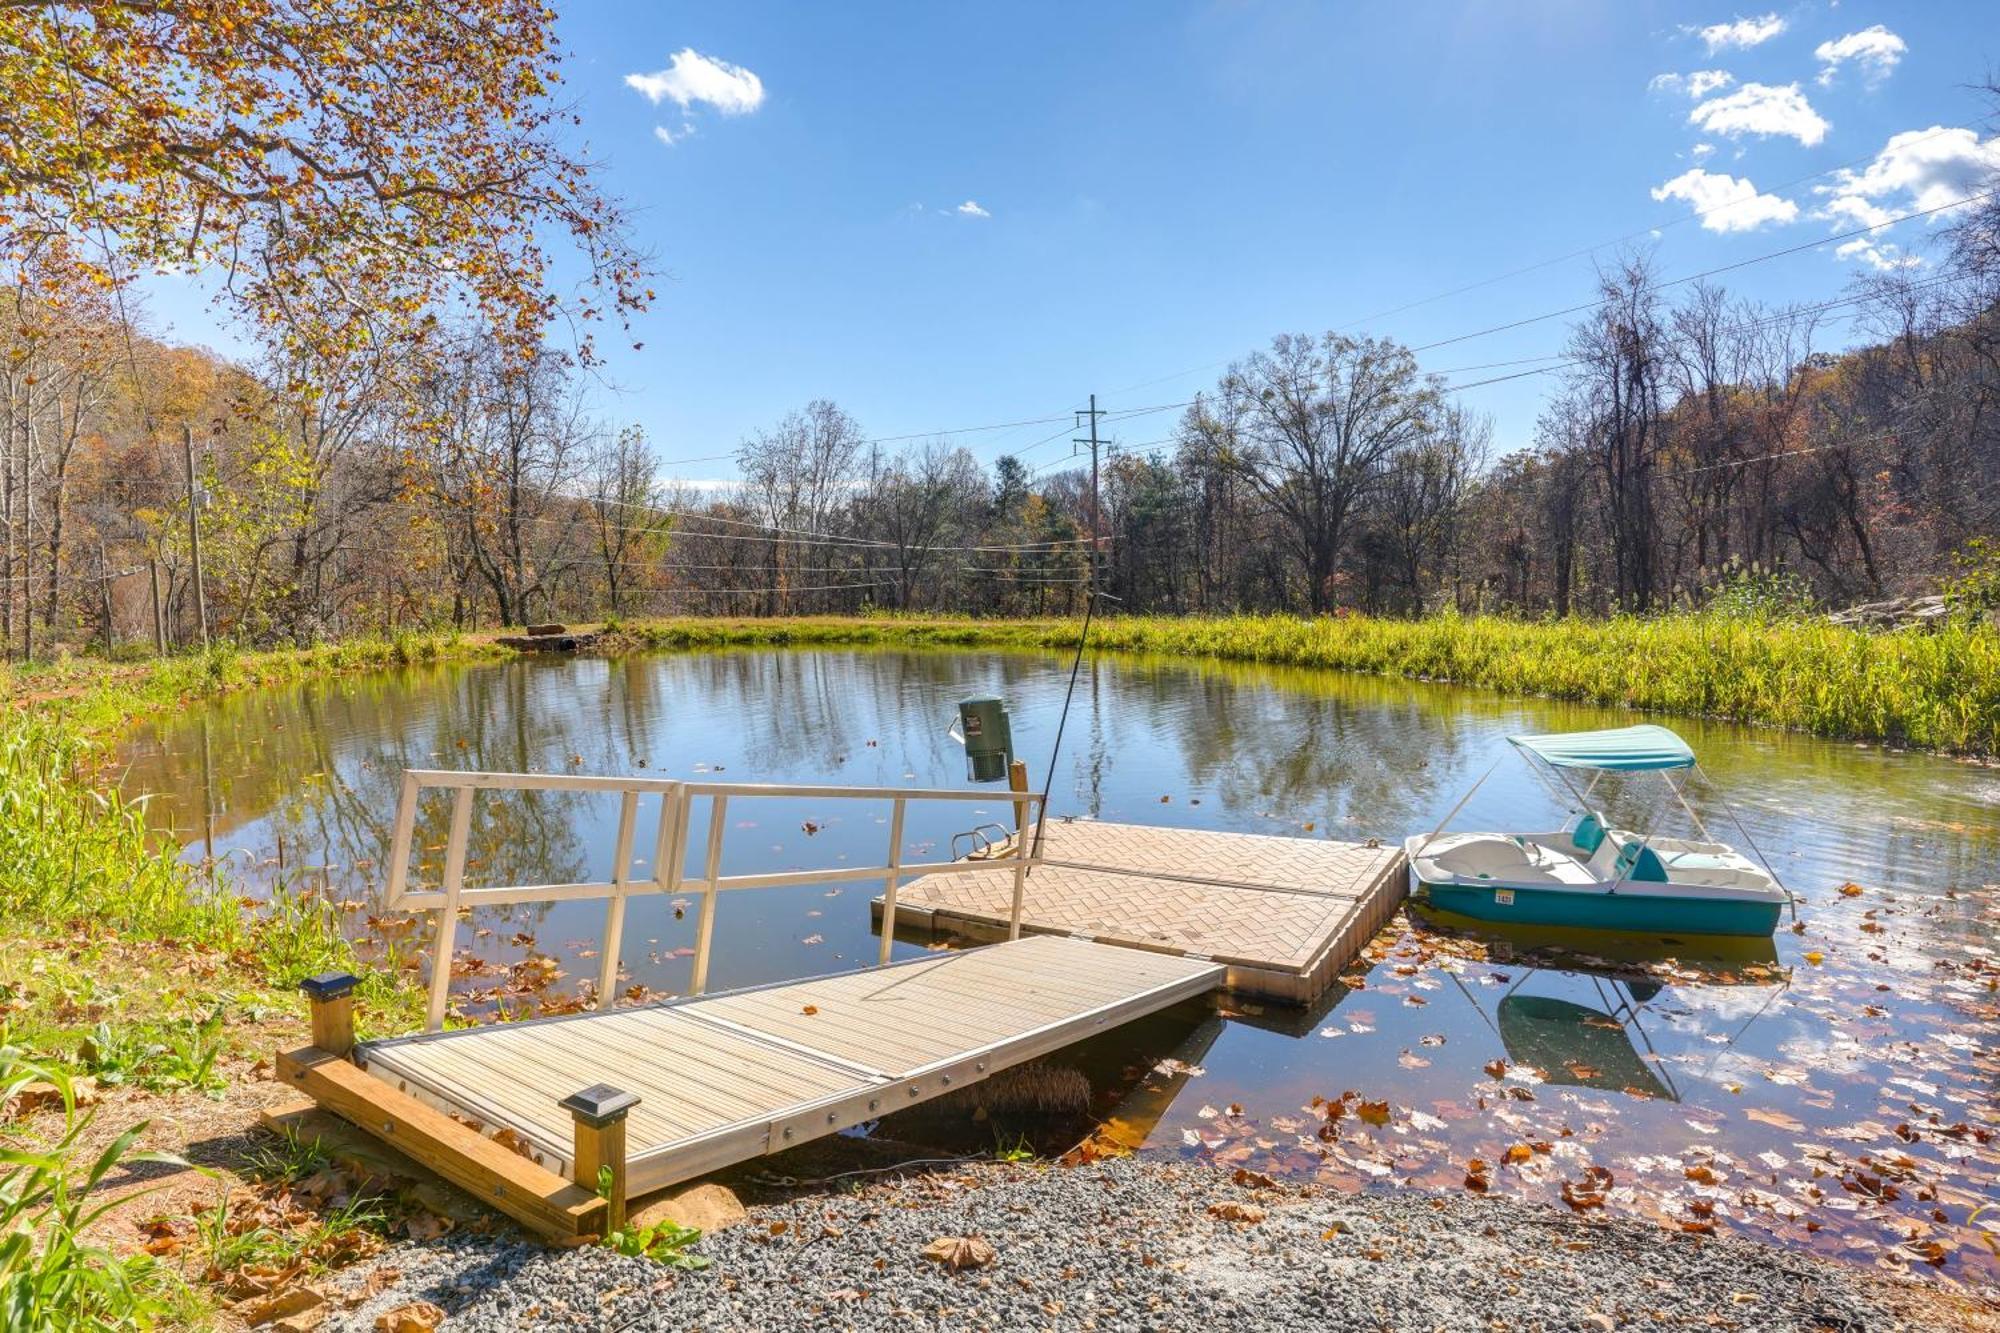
{"x": 1284, "y": 914}
{"x": 725, "y": 1077}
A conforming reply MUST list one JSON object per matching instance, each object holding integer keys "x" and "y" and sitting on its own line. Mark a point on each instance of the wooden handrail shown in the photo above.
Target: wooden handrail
{"x": 670, "y": 853}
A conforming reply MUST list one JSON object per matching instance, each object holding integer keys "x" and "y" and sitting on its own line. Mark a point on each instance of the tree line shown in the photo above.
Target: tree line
{"x": 389, "y": 202}
{"x": 1690, "y": 437}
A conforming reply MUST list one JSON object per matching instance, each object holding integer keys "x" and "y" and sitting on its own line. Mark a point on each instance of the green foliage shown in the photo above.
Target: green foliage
{"x": 1751, "y": 592}
{"x": 1976, "y": 586}
{"x": 51, "y": 1277}
{"x": 666, "y": 1242}
{"x": 1934, "y": 688}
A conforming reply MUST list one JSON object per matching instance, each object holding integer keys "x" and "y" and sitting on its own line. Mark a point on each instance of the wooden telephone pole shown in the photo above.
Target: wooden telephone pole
{"x": 1096, "y": 540}
{"x": 194, "y": 536}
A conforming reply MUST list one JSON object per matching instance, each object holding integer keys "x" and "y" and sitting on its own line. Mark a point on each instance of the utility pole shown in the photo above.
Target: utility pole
{"x": 104, "y": 599}
{"x": 159, "y": 621}
{"x": 194, "y": 536}
{"x": 1095, "y": 540}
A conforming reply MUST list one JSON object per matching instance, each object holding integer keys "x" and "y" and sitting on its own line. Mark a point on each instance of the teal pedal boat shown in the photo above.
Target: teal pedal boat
{"x": 1590, "y": 875}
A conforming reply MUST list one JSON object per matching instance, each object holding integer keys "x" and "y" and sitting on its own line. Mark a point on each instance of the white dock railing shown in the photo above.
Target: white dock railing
{"x": 670, "y": 849}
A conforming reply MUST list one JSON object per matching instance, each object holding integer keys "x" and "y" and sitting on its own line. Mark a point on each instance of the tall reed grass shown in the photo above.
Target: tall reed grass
{"x": 1934, "y": 688}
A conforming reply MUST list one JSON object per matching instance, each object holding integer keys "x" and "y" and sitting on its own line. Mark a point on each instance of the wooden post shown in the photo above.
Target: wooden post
{"x": 104, "y": 601}
{"x": 159, "y": 621}
{"x": 194, "y": 536}
{"x": 330, "y": 999}
{"x": 598, "y": 1114}
{"x": 1017, "y": 780}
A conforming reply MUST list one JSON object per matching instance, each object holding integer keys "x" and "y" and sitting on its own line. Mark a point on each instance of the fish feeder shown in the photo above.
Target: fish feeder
{"x": 988, "y": 738}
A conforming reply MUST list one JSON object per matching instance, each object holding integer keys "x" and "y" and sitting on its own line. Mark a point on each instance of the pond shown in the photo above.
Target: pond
{"x": 1838, "y": 1089}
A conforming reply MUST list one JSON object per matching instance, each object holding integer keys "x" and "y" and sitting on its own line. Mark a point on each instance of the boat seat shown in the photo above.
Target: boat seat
{"x": 1588, "y": 835}
{"x": 1640, "y": 864}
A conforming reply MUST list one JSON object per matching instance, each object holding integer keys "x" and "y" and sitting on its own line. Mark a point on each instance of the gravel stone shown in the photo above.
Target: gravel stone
{"x": 1130, "y": 1245}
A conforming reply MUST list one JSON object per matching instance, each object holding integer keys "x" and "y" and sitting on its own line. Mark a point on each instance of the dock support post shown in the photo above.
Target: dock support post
{"x": 614, "y": 911}
{"x": 330, "y": 1000}
{"x": 598, "y": 1114}
{"x": 446, "y": 942}
{"x": 1017, "y": 779}
{"x": 704, "y": 933}
{"x": 894, "y": 879}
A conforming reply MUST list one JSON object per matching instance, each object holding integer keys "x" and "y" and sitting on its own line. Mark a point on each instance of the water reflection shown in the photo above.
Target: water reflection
{"x": 1784, "y": 1086}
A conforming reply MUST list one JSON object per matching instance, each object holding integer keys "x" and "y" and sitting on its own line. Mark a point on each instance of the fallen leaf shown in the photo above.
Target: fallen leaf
{"x": 810, "y": 1009}
{"x": 416, "y": 1317}
{"x": 956, "y": 1252}
{"x": 1229, "y": 1210}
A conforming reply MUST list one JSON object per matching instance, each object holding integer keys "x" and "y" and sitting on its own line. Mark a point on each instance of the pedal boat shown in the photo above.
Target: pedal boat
{"x": 1589, "y": 875}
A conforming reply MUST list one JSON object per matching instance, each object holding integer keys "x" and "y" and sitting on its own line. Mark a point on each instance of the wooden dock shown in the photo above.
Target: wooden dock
{"x": 726, "y": 1077}
{"x": 1285, "y": 915}
{"x": 559, "y": 1121}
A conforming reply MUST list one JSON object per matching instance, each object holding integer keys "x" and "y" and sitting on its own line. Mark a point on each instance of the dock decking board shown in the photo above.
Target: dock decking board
{"x": 1285, "y": 914}
{"x": 734, "y": 1075}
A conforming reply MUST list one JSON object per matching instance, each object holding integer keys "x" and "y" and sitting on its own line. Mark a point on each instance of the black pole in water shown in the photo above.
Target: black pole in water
{"x": 1042, "y": 816}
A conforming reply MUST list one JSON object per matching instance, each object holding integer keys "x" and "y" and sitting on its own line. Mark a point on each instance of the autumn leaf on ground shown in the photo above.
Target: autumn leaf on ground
{"x": 1253, "y": 1179}
{"x": 1229, "y": 1210}
{"x": 956, "y": 1252}
{"x": 416, "y": 1317}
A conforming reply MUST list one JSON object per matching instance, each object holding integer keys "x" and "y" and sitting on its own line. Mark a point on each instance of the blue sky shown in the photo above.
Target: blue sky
{"x": 1159, "y": 188}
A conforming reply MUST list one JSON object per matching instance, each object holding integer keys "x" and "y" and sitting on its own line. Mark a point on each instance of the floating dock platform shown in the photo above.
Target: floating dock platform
{"x": 559, "y": 1121}
{"x": 1284, "y": 915}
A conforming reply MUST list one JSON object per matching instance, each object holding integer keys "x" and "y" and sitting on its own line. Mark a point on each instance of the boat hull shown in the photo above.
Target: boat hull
{"x": 1629, "y": 909}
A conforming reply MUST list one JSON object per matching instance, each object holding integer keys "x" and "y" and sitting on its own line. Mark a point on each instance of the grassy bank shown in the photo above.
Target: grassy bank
{"x": 126, "y": 972}
{"x": 1930, "y": 688}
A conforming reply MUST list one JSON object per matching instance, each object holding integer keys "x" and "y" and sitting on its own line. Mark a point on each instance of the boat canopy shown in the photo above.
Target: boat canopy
{"x": 1620, "y": 750}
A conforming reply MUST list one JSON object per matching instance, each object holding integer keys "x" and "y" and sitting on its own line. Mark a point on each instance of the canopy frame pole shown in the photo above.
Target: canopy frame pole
{"x": 1452, "y": 814}
{"x": 1666, "y": 776}
{"x": 1792, "y": 899}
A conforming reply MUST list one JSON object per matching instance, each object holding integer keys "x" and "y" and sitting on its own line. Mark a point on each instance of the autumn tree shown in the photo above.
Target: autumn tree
{"x": 350, "y": 173}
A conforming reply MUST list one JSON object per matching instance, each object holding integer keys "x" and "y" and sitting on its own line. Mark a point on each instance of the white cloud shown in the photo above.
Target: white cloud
{"x": 1875, "y": 49}
{"x": 1741, "y": 34}
{"x": 692, "y": 77}
{"x": 971, "y": 209}
{"x": 1701, "y": 151}
{"x": 1916, "y": 170}
{"x": 671, "y": 137}
{"x": 1698, "y": 84}
{"x": 1762, "y": 108}
{"x": 1883, "y": 256}
{"x": 1724, "y": 202}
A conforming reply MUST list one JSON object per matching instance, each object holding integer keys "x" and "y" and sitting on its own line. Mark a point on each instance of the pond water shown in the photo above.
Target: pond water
{"x": 1838, "y": 1089}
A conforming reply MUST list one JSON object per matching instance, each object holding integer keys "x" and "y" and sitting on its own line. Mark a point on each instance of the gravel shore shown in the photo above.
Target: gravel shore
{"x": 1141, "y": 1244}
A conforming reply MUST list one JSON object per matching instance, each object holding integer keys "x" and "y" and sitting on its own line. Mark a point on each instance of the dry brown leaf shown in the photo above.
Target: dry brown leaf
{"x": 809, "y": 1010}
{"x": 282, "y": 1304}
{"x": 956, "y": 1252}
{"x": 1253, "y": 1179}
{"x": 1375, "y": 1113}
{"x": 1496, "y": 1068}
{"x": 1517, "y": 1154}
{"x": 1229, "y": 1210}
{"x": 416, "y": 1317}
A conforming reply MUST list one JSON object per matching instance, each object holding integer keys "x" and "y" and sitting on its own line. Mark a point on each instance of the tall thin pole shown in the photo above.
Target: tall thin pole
{"x": 159, "y": 621}
{"x": 194, "y": 536}
{"x": 1096, "y": 540}
{"x": 104, "y": 598}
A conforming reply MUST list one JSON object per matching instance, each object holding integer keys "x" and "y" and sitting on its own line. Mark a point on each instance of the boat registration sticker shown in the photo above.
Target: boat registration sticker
{"x": 1504, "y": 897}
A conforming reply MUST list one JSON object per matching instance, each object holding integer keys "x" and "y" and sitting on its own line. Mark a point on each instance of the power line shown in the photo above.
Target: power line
{"x": 1690, "y": 216}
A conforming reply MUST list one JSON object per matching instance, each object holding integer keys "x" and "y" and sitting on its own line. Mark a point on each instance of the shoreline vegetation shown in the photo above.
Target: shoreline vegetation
{"x": 124, "y": 967}
{"x": 1934, "y": 688}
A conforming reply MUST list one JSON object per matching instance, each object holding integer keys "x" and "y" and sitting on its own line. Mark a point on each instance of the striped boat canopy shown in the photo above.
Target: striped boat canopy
{"x": 1619, "y": 750}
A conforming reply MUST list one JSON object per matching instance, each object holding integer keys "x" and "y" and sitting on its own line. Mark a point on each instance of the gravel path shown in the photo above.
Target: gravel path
{"x": 1132, "y": 1245}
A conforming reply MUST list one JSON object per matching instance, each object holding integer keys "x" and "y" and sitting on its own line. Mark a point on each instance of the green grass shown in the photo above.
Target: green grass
{"x": 1935, "y": 689}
